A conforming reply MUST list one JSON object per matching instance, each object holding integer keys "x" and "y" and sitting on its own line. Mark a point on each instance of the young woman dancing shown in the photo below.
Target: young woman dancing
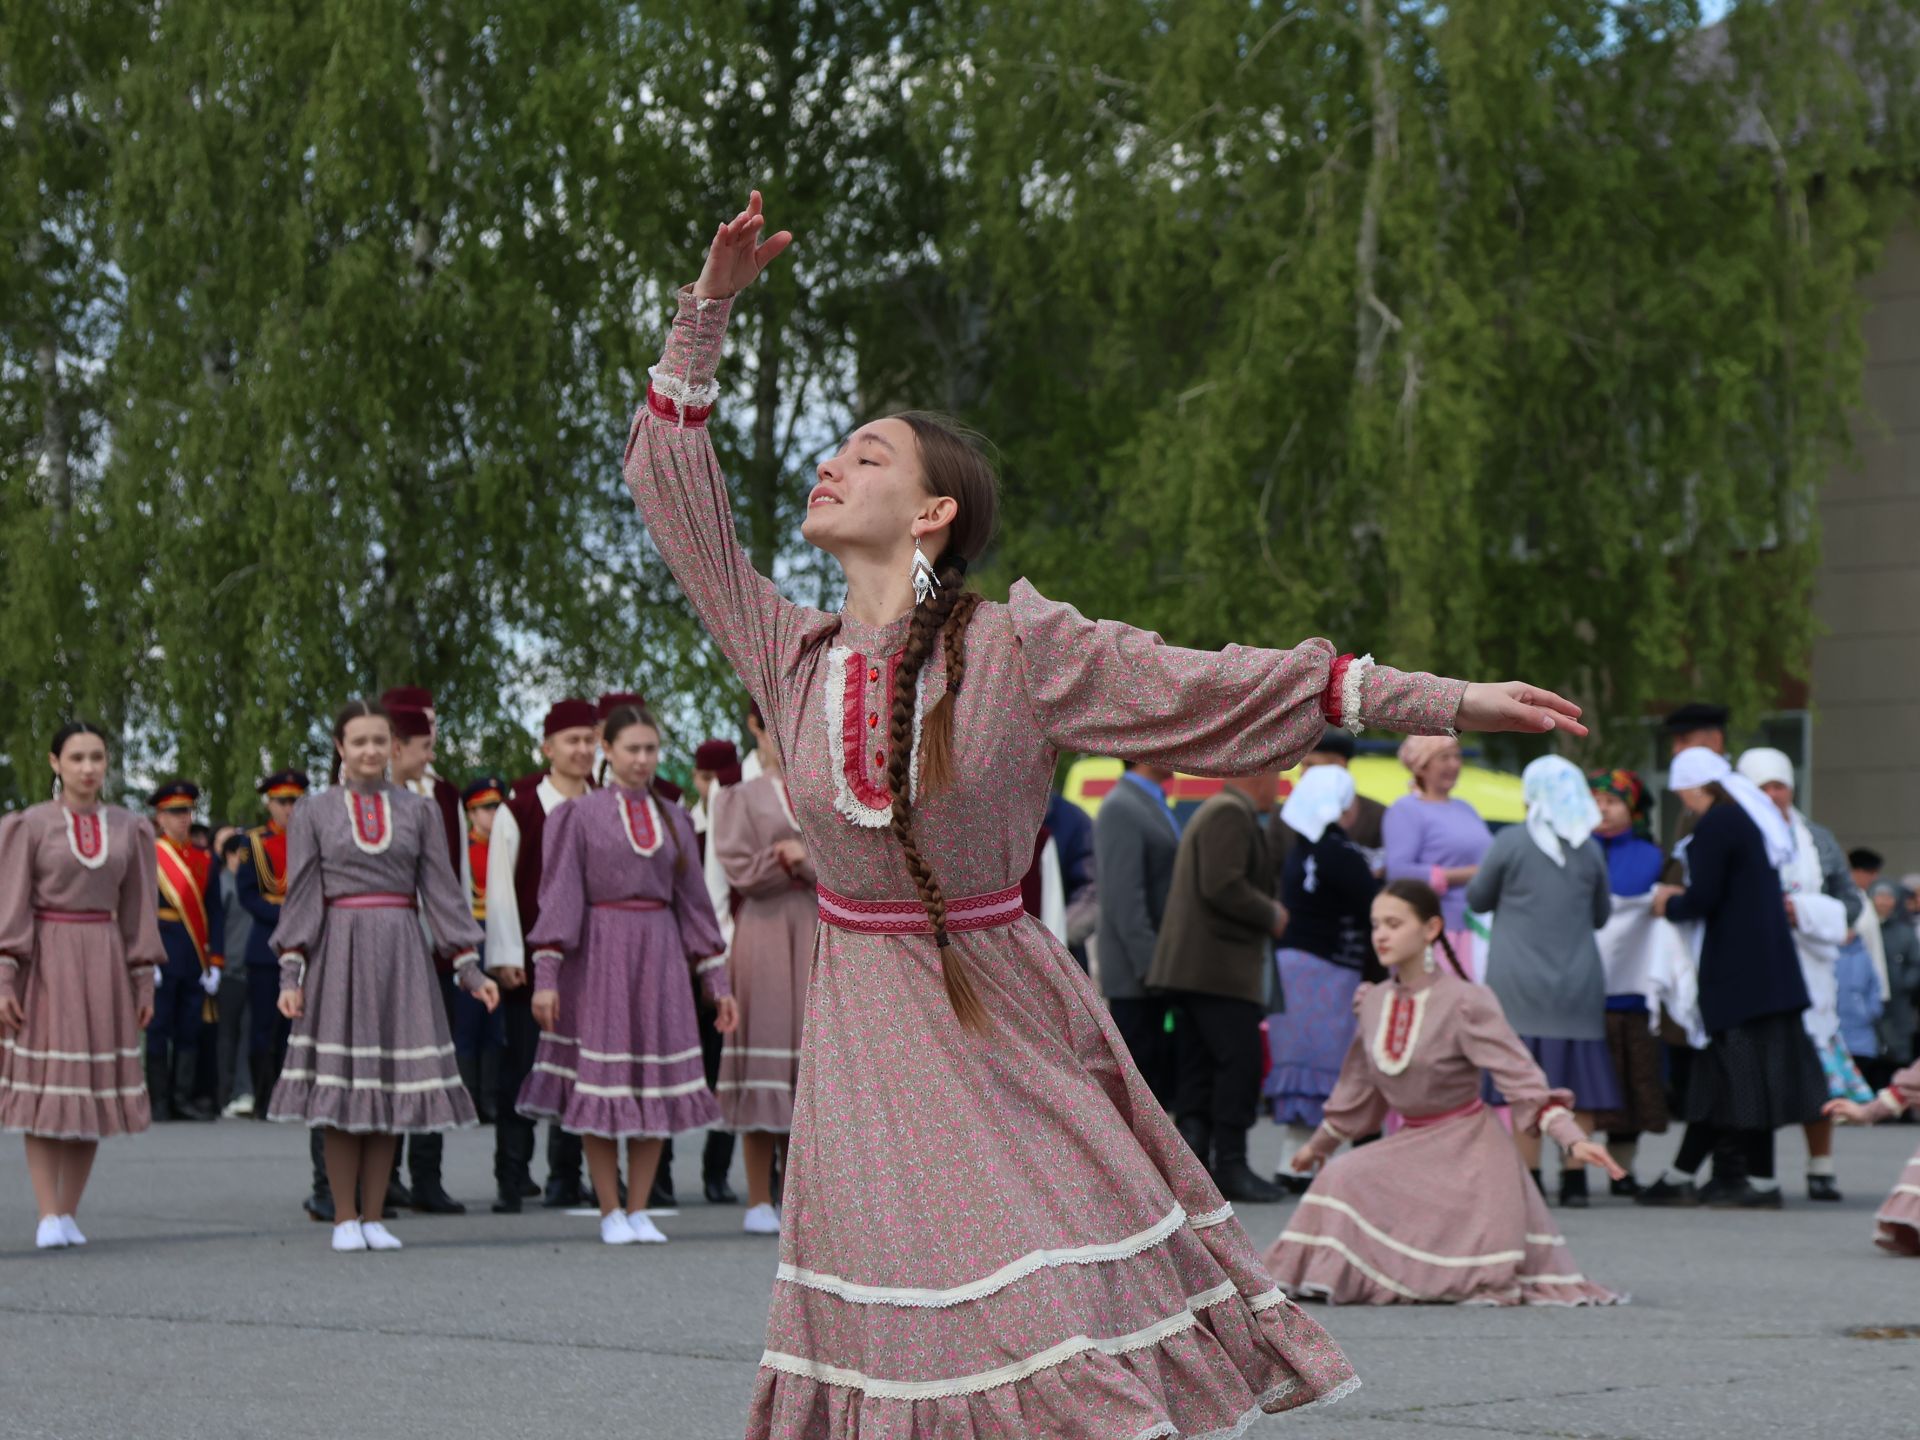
{"x": 1897, "y": 1225}
{"x": 989, "y": 1225}
{"x": 623, "y": 915}
{"x": 370, "y": 1057}
{"x": 79, "y": 940}
{"x": 1444, "y": 1209}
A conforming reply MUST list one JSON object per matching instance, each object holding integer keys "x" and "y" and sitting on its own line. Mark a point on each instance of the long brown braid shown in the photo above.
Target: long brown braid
{"x": 955, "y": 465}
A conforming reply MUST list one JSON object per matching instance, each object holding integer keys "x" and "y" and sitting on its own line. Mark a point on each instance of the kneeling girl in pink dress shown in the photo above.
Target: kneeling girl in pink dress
{"x": 623, "y": 912}
{"x": 1897, "y": 1225}
{"x": 1444, "y": 1210}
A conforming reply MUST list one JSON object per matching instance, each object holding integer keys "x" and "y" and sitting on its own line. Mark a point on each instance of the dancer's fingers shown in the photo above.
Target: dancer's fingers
{"x": 771, "y": 249}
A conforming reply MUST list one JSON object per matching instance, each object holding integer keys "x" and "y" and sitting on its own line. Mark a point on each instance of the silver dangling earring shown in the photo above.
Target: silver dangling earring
{"x": 925, "y": 582}
{"x": 1426, "y": 963}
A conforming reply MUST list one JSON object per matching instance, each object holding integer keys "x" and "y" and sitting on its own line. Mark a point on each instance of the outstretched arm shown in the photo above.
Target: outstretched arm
{"x": 675, "y": 477}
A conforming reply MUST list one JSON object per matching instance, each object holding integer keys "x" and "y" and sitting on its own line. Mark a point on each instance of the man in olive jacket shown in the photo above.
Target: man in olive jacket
{"x": 1212, "y": 961}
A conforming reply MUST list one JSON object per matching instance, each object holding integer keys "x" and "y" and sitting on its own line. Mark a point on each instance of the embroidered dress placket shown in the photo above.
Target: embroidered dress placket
{"x": 87, "y": 838}
{"x": 857, "y": 796}
{"x": 645, "y": 829}
{"x": 1399, "y": 1031}
{"x": 370, "y": 821}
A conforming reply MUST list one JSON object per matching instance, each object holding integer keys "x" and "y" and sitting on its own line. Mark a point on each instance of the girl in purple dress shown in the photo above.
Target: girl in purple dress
{"x": 989, "y": 1225}
{"x": 623, "y": 914}
{"x": 370, "y": 1058}
{"x": 78, "y": 946}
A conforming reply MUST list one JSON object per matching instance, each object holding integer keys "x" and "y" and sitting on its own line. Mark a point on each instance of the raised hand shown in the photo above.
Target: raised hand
{"x": 738, "y": 254}
{"x": 1514, "y": 706}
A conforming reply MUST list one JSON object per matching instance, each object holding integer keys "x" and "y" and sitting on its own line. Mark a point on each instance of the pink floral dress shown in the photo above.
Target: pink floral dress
{"x": 995, "y": 1234}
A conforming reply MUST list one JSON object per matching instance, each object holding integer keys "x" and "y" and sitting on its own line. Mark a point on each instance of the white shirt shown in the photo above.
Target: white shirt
{"x": 506, "y": 945}
{"x": 718, "y": 890}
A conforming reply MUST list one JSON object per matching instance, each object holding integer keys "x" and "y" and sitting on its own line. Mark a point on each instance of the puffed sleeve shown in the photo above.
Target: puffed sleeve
{"x": 304, "y": 913}
{"x": 693, "y": 909}
{"x": 138, "y": 912}
{"x": 1356, "y": 1108}
{"x": 555, "y": 937}
{"x": 16, "y": 894}
{"x": 1902, "y": 1093}
{"x": 1489, "y": 1042}
{"x": 1104, "y": 688}
{"x": 750, "y": 867}
{"x": 456, "y": 934}
{"x": 675, "y": 480}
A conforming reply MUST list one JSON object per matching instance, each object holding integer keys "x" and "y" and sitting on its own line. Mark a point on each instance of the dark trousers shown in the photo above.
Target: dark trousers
{"x": 513, "y": 1132}
{"x": 1746, "y": 1151}
{"x": 231, "y": 1076}
{"x": 1142, "y": 1023}
{"x": 177, "y": 1028}
{"x": 716, "y": 1160}
{"x": 1217, "y": 1045}
{"x": 267, "y": 1034}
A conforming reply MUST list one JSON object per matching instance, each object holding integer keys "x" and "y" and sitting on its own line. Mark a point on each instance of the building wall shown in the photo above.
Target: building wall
{"x": 1866, "y": 663}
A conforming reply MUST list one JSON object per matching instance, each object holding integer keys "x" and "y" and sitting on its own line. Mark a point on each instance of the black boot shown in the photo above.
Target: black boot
{"x": 1573, "y": 1189}
{"x": 1662, "y": 1194}
{"x": 564, "y": 1160}
{"x": 1823, "y": 1187}
{"x": 159, "y": 1088}
{"x": 715, "y": 1161}
{"x": 429, "y": 1195}
{"x": 661, "y": 1196}
{"x": 262, "y": 1094}
{"x": 185, "y": 1105}
{"x": 1623, "y": 1189}
{"x": 398, "y": 1196}
{"x": 1537, "y": 1183}
{"x": 1235, "y": 1177}
{"x": 489, "y": 1108}
{"x": 468, "y": 1064}
{"x": 319, "y": 1204}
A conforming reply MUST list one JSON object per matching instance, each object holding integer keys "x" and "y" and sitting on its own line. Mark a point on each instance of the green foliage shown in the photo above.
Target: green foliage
{"x": 1513, "y": 336}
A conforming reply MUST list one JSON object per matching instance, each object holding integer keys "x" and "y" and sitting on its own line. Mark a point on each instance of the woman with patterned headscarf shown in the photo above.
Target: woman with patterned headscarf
{"x": 1432, "y": 837}
{"x": 1633, "y": 868}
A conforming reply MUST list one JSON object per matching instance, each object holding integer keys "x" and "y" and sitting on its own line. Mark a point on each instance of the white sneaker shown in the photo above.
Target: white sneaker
{"x": 761, "y": 1220}
{"x": 51, "y": 1235}
{"x": 644, "y": 1230}
{"x": 239, "y": 1106}
{"x": 71, "y": 1231}
{"x": 347, "y": 1235}
{"x": 616, "y": 1229}
{"x": 378, "y": 1237}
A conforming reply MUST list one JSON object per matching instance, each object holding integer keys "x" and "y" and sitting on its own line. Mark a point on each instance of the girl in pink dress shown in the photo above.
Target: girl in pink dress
{"x": 990, "y": 1227}
{"x": 78, "y": 943}
{"x": 1897, "y": 1226}
{"x": 624, "y": 917}
{"x": 1444, "y": 1209}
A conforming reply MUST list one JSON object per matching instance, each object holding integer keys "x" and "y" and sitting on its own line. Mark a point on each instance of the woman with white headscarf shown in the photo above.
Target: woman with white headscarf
{"x": 1327, "y": 887}
{"x": 1546, "y": 884}
{"x": 1759, "y": 1071}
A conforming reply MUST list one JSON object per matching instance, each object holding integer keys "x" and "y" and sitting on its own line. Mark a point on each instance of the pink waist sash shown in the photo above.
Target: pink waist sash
{"x": 374, "y": 900}
{"x": 634, "y": 904}
{"x": 1421, "y": 1122}
{"x": 909, "y": 917}
{"x": 74, "y": 917}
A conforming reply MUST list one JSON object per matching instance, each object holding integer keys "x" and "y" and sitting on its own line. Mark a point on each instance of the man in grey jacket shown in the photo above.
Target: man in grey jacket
{"x": 1213, "y": 961}
{"x": 1135, "y": 838}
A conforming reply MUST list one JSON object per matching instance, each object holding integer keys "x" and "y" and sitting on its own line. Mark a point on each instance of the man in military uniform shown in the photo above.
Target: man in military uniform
{"x": 193, "y": 929}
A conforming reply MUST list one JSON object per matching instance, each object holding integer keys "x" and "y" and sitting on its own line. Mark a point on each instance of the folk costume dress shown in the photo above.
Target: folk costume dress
{"x": 370, "y": 1052}
{"x": 772, "y": 950}
{"x": 1444, "y": 1209}
{"x": 994, "y": 1233}
{"x": 624, "y": 916}
{"x": 1897, "y": 1225}
{"x": 78, "y": 945}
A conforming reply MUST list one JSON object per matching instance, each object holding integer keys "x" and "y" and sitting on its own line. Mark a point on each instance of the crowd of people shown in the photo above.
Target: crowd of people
{"x": 1001, "y": 1206}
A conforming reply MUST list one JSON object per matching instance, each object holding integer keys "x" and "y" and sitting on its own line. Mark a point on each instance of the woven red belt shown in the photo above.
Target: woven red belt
{"x": 74, "y": 917}
{"x": 634, "y": 904}
{"x": 1420, "y": 1122}
{"x": 374, "y": 900}
{"x": 909, "y": 917}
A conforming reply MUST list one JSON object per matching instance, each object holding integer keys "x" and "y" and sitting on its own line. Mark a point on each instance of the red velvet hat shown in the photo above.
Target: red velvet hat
{"x": 571, "y": 714}
{"x": 409, "y": 722}
{"x": 716, "y": 755}
{"x": 614, "y": 699}
{"x": 406, "y": 697}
